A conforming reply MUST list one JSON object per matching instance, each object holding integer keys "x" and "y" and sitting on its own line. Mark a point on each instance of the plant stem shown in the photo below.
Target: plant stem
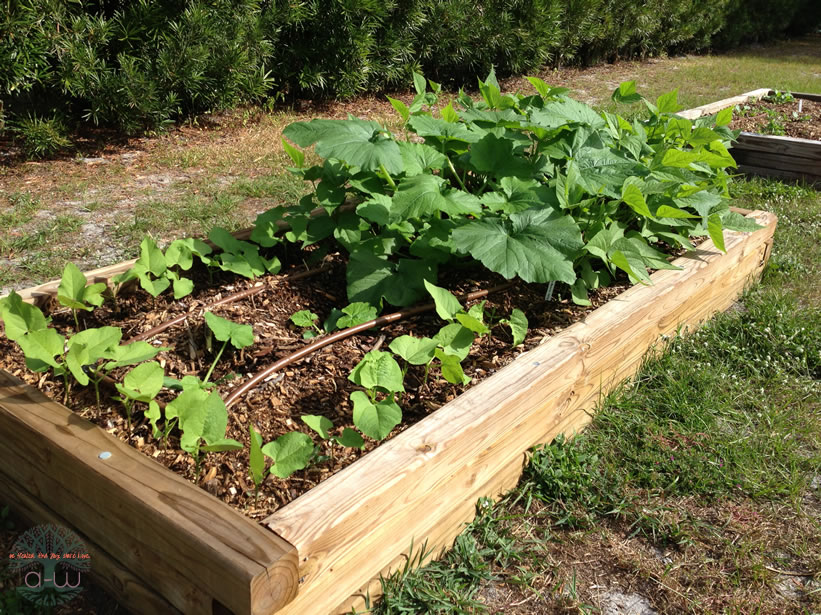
{"x": 214, "y": 364}
{"x": 76, "y": 320}
{"x": 388, "y": 177}
{"x": 455, "y": 174}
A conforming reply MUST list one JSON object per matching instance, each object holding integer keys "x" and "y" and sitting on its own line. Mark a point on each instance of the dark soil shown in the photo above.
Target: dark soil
{"x": 800, "y": 119}
{"x": 317, "y": 384}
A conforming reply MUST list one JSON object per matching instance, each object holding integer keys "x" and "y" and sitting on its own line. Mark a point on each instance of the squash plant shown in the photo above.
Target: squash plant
{"x": 537, "y": 187}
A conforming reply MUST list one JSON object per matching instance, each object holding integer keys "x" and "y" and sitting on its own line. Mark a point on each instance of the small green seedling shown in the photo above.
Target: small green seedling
{"x": 290, "y": 452}
{"x": 74, "y": 294}
{"x": 306, "y": 319}
{"x": 202, "y": 417}
{"x": 518, "y": 326}
{"x": 323, "y": 426}
{"x": 256, "y": 464}
{"x": 377, "y": 372}
{"x": 240, "y": 257}
{"x": 351, "y": 315}
{"x": 142, "y": 384}
{"x": 226, "y": 331}
{"x": 154, "y": 269}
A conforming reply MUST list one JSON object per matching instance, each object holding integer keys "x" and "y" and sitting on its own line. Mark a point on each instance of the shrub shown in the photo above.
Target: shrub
{"x": 41, "y": 136}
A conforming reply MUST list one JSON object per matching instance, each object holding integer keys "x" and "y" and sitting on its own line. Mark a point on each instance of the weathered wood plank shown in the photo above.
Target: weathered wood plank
{"x": 717, "y": 106}
{"x": 780, "y": 162}
{"x": 106, "y": 572}
{"x": 773, "y": 144}
{"x": 424, "y": 483}
{"x": 180, "y": 540}
{"x": 788, "y": 175}
{"x": 807, "y": 96}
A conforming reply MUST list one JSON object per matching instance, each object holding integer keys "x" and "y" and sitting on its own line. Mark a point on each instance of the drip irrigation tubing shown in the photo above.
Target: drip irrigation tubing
{"x": 327, "y": 340}
{"x": 248, "y": 292}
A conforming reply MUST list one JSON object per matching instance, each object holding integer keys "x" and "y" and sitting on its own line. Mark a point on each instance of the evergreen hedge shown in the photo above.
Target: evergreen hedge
{"x": 139, "y": 64}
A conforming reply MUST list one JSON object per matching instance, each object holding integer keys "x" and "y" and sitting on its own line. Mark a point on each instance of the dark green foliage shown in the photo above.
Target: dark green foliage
{"x": 139, "y": 65}
{"x": 756, "y": 21}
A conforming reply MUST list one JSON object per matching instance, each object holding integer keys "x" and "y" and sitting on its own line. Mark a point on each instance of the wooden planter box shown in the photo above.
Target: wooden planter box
{"x": 769, "y": 155}
{"x": 162, "y": 545}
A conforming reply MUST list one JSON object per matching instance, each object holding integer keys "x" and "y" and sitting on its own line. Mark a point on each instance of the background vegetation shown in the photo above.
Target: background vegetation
{"x": 138, "y": 65}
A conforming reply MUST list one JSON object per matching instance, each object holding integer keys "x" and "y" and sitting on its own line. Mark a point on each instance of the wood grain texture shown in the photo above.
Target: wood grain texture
{"x": 423, "y": 484}
{"x": 782, "y": 174}
{"x": 178, "y": 539}
{"x": 715, "y": 107}
{"x": 106, "y": 572}
{"x": 777, "y": 162}
{"x": 773, "y": 144}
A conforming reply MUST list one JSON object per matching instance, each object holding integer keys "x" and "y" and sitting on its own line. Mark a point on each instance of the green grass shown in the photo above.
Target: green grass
{"x": 723, "y": 420}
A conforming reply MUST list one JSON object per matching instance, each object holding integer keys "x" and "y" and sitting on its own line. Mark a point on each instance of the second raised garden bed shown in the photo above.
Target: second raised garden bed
{"x": 770, "y": 155}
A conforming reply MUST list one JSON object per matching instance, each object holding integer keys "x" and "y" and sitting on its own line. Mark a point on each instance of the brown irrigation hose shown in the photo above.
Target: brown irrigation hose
{"x": 229, "y": 299}
{"x": 327, "y": 340}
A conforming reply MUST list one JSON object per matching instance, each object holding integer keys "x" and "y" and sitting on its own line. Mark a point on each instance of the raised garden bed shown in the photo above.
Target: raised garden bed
{"x": 770, "y": 155}
{"x": 163, "y": 545}
{"x": 538, "y": 189}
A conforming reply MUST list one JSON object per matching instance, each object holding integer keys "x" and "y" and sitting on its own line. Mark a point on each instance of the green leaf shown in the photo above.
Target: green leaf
{"x": 73, "y": 293}
{"x": 143, "y": 382}
{"x": 152, "y": 257}
{"x": 356, "y": 314}
{"x": 221, "y": 445}
{"x": 472, "y": 323}
{"x": 455, "y": 339}
{"x": 181, "y": 252}
{"x": 414, "y": 350}
{"x": 375, "y": 420}
{"x": 20, "y": 317}
{"x": 290, "y": 452}
{"x": 400, "y": 107}
{"x": 319, "y": 424}
{"x": 518, "y": 326}
{"x": 256, "y": 461}
{"x": 419, "y": 83}
{"x": 631, "y": 194}
{"x": 626, "y": 93}
{"x": 447, "y": 305}
{"x": 202, "y": 416}
{"x": 734, "y": 221}
{"x": 296, "y": 156}
{"x": 419, "y": 157}
{"x": 350, "y": 439}
{"x": 418, "y": 197}
{"x": 182, "y": 287}
{"x": 452, "y": 368}
{"x": 89, "y": 346}
{"x": 371, "y": 277}
{"x": 535, "y": 245}
{"x": 224, "y": 330}
{"x": 40, "y": 348}
{"x": 378, "y": 369}
{"x": 715, "y": 229}
{"x": 668, "y": 103}
{"x": 377, "y": 209}
{"x": 495, "y": 156}
{"x": 724, "y": 117}
{"x": 579, "y": 292}
{"x": 357, "y": 142}
{"x": 304, "y": 318}
{"x": 131, "y": 354}
{"x": 449, "y": 114}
